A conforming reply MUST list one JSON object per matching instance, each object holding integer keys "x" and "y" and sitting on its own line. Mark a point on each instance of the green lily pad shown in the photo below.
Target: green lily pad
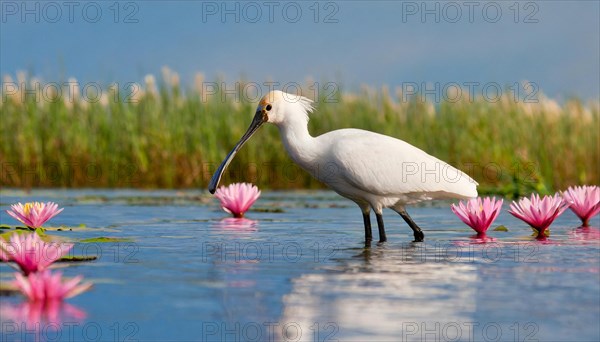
{"x": 77, "y": 258}
{"x": 39, "y": 231}
{"x": 5, "y": 226}
{"x": 268, "y": 210}
{"x": 501, "y": 228}
{"x": 8, "y": 290}
{"x": 536, "y": 233}
{"x": 103, "y": 239}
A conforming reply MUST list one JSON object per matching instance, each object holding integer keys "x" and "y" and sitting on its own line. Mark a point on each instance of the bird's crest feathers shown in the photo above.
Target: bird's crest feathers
{"x": 278, "y": 95}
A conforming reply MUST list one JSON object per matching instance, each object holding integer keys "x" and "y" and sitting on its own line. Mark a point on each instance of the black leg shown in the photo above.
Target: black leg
{"x": 419, "y": 236}
{"x": 368, "y": 232}
{"x": 382, "y": 237}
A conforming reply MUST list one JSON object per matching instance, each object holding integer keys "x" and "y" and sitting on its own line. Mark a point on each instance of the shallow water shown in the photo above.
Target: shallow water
{"x": 303, "y": 274}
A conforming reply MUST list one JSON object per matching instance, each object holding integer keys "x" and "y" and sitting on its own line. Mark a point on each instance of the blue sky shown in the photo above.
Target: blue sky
{"x": 554, "y": 44}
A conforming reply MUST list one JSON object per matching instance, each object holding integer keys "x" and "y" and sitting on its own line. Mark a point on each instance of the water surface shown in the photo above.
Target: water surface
{"x": 298, "y": 270}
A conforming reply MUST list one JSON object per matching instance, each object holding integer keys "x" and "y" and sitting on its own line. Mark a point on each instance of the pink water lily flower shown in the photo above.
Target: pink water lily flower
{"x": 478, "y": 213}
{"x": 237, "y": 198}
{"x": 45, "y": 286}
{"x": 538, "y": 212}
{"x": 237, "y": 224}
{"x": 30, "y": 253}
{"x": 585, "y": 201}
{"x": 34, "y": 214}
{"x": 585, "y": 234}
{"x": 48, "y": 315}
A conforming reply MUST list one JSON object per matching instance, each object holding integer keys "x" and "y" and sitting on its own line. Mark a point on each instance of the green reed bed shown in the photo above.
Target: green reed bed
{"x": 164, "y": 137}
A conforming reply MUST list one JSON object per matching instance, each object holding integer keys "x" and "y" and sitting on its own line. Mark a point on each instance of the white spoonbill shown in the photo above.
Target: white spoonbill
{"x": 373, "y": 170}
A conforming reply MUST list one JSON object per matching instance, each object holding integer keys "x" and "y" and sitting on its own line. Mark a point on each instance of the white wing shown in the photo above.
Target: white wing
{"x": 386, "y": 166}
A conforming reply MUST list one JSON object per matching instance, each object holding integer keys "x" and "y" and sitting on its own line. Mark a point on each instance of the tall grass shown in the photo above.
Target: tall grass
{"x": 165, "y": 137}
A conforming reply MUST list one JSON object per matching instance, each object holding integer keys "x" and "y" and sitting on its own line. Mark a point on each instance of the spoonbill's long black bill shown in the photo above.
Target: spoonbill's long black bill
{"x": 258, "y": 120}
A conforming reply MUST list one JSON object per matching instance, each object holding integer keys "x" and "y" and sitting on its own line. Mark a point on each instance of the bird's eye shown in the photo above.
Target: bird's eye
{"x": 268, "y": 107}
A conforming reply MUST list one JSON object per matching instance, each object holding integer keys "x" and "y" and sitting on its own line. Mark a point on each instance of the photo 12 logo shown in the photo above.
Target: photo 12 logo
{"x": 252, "y": 92}
{"x": 268, "y": 252}
{"x": 252, "y": 12}
{"x": 68, "y": 331}
{"x": 70, "y": 92}
{"x": 269, "y": 331}
{"x": 55, "y": 173}
{"x": 470, "y": 12}
{"x": 50, "y": 12}
{"x": 470, "y": 91}
{"x": 469, "y": 331}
